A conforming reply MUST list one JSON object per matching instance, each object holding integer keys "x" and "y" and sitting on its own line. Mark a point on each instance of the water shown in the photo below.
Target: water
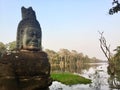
{"x": 97, "y": 74}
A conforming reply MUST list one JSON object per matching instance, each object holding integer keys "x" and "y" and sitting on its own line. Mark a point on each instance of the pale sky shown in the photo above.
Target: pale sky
{"x": 69, "y": 24}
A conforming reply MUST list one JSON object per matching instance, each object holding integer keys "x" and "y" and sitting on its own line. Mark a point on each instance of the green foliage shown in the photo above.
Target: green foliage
{"x": 53, "y": 56}
{"x": 114, "y": 64}
{"x": 2, "y": 48}
{"x": 11, "y": 45}
{"x": 116, "y": 56}
{"x": 69, "y": 78}
{"x": 66, "y": 57}
{"x": 116, "y": 8}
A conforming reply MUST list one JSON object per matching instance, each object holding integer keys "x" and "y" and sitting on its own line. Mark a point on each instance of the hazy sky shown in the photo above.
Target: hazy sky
{"x": 69, "y": 24}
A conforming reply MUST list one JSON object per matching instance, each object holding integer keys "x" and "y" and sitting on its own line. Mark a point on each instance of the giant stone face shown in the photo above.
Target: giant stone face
{"x": 29, "y": 31}
{"x": 31, "y": 38}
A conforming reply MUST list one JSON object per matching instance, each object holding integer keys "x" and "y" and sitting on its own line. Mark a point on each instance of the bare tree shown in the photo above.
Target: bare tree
{"x": 106, "y": 50}
{"x": 104, "y": 47}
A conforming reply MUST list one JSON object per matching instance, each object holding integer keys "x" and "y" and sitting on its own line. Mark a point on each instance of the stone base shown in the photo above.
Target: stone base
{"x": 14, "y": 84}
{"x": 25, "y": 71}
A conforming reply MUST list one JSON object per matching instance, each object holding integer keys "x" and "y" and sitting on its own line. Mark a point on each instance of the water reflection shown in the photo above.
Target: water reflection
{"x": 73, "y": 68}
{"x": 96, "y": 72}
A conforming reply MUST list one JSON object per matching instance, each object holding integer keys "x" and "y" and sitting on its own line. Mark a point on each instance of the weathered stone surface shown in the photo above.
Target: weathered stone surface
{"x": 29, "y": 31}
{"x": 25, "y": 70}
{"x": 28, "y": 67}
{"x": 28, "y": 13}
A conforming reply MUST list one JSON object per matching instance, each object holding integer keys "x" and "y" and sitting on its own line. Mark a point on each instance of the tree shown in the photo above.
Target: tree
{"x": 75, "y": 56}
{"x": 2, "y": 48}
{"x": 117, "y": 54}
{"x": 113, "y": 67}
{"x": 53, "y": 56}
{"x": 104, "y": 47}
{"x": 11, "y": 45}
{"x": 116, "y": 8}
{"x": 64, "y": 55}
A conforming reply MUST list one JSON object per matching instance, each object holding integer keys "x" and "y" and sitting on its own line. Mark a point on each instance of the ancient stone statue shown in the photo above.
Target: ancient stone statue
{"x": 28, "y": 68}
{"x": 29, "y": 31}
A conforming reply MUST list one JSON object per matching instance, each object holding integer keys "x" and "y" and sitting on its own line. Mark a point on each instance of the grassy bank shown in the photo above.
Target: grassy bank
{"x": 69, "y": 78}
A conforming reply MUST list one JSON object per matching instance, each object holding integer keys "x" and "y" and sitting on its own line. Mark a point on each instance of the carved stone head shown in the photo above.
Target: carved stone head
{"x": 29, "y": 31}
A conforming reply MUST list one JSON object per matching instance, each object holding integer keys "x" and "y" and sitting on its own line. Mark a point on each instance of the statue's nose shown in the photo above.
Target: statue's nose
{"x": 34, "y": 34}
{"x": 34, "y": 39}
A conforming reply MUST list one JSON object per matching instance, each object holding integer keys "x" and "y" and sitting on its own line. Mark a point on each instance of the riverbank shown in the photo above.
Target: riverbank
{"x": 69, "y": 78}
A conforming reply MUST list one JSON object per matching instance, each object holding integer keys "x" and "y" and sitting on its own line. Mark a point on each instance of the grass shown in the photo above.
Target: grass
{"x": 69, "y": 78}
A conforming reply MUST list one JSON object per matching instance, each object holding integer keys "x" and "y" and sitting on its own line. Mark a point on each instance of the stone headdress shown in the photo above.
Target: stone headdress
{"x": 28, "y": 20}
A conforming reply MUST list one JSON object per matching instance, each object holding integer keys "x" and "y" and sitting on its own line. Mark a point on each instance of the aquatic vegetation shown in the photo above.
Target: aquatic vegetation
{"x": 69, "y": 78}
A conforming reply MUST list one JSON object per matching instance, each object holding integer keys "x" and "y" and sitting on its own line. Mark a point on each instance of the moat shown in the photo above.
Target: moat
{"x": 97, "y": 73}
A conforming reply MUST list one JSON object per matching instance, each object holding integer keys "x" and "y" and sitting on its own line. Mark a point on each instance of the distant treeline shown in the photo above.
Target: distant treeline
{"x": 66, "y": 57}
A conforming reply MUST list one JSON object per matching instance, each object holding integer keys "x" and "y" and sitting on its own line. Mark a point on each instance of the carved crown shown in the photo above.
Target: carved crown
{"x": 28, "y": 13}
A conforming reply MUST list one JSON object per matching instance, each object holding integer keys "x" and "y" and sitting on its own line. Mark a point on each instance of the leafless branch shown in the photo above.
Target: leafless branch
{"x": 104, "y": 47}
